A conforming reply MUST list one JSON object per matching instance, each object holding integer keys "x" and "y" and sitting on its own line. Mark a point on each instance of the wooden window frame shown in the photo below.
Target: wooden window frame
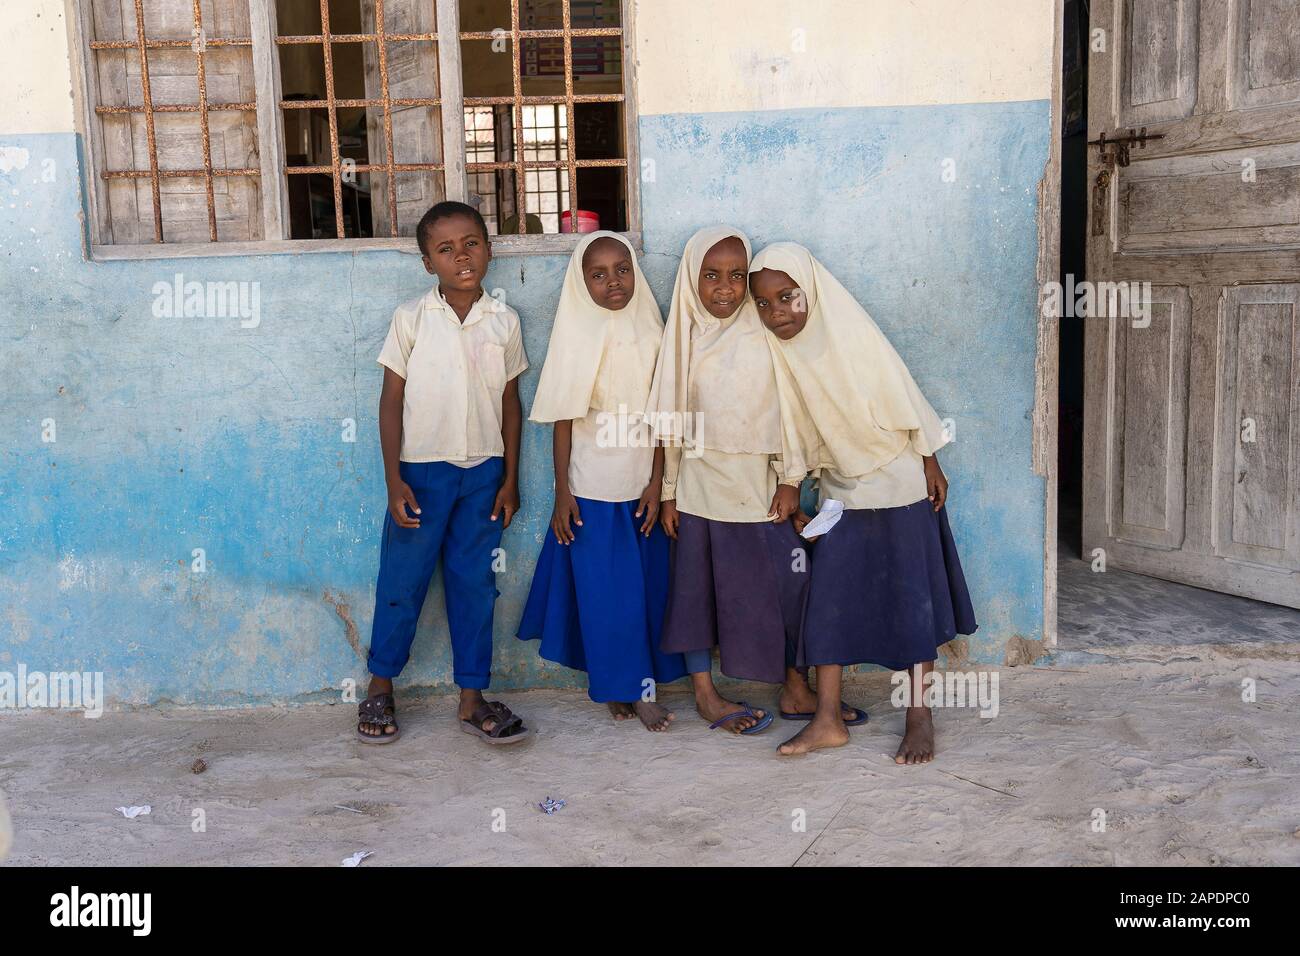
{"x": 271, "y": 147}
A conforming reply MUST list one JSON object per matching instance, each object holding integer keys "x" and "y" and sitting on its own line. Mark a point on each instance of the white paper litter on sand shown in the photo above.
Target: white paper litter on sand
{"x": 827, "y": 517}
{"x": 356, "y": 858}
{"x": 132, "y": 812}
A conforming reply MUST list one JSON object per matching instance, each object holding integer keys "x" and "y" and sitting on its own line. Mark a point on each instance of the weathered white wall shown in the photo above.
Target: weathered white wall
{"x": 36, "y": 90}
{"x": 702, "y": 58}
{"x": 730, "y": 55}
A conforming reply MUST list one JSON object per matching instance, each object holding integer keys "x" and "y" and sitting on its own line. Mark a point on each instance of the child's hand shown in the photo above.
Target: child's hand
{"x": 400, "y": 497}
{"x": 649, "y": 506}
{"x": 936, "y": 483}
{"x": 668, "y": 517}
{"x": 566, "y": 510}
{"x": 507, "y": 502}
{"x": 800, "y": 521}
{"x": 784, "y": 503}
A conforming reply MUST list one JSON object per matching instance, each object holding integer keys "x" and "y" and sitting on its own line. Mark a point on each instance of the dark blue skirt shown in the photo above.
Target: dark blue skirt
{"x": 887, "y": 588}
{"x": 597, "y": 605}
{"x": 741, "y": 586}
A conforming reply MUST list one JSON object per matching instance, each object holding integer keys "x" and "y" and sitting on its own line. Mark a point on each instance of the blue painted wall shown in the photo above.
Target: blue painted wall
{"x": 175, "y": 434}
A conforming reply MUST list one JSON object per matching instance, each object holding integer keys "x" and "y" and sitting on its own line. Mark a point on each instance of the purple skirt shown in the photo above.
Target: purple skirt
{"x": 739, "y": 586}
{"x": 887, "y": 588}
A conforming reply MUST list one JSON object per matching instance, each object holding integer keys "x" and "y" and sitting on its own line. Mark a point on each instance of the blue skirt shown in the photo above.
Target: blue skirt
{"x": 597, "y": 605}
{"x": 887, "y": 588}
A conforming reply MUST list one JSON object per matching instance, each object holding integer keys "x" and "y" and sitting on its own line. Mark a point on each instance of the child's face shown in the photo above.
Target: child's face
{"x": 607, "y": 270}
{"x": 457, "y": 253}
{"x": 722, "y": 277}
{"x": 781, "y": 303}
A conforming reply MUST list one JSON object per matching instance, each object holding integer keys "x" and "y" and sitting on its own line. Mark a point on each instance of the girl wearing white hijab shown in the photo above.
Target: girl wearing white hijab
{"x": 601, "y": 583}
{"x": 739, "y": 571}
{"x": 887, "y": 585}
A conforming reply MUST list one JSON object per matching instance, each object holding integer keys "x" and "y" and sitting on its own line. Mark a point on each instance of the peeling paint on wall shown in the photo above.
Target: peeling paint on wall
{"x": 344, "y": 611}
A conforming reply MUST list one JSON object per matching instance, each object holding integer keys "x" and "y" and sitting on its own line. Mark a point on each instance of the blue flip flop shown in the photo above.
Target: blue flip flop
{"x": 764, "y": 722}
{"x": 859, "y": 716}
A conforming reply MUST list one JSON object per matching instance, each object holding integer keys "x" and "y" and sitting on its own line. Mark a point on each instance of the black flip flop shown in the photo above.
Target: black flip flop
{"x": 859, "y": 716}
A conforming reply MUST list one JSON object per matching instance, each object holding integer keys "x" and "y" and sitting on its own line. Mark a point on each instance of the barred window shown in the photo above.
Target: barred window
{"x": 299, "y": 124}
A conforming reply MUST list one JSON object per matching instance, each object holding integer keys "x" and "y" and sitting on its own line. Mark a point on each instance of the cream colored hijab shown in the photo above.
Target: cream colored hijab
{"x": 718, "y": 371}
{"x": 598, "y": 359}
{"x": 841, "y": 371}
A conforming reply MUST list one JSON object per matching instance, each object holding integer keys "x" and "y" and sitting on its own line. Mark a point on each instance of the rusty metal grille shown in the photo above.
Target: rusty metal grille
{"x": 383, "y": 158}
{"x": 331, "y": 104}
{"x": 518, "y": 101}
{"x": 143, "y": 44}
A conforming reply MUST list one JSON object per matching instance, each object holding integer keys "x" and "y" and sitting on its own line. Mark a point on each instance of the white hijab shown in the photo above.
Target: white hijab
{"x": 718, "y": 371}
{"x": 841, "y": 371}
{"x": 598, "y": 359}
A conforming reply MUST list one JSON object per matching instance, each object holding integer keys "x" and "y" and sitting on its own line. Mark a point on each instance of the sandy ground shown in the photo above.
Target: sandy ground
{"x": 1114, "y": 609}
{"x": 1186, "y": 772}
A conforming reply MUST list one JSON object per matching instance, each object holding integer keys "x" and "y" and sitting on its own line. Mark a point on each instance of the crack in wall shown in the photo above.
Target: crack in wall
{"x": 344, "y": 610}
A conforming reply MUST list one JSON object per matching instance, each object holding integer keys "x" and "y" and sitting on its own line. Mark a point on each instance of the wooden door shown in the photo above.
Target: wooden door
{"x": 1192, "y": 422}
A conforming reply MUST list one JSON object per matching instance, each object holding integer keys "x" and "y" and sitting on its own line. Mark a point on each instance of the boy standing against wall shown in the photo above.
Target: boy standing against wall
{"x": 449, "y": 425}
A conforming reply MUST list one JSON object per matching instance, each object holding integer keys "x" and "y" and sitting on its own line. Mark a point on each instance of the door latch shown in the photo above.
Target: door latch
{"x": 1122, "y": 144}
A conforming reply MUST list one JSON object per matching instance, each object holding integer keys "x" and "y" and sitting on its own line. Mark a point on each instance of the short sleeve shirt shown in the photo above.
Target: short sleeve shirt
{"x": 455, "y": 375}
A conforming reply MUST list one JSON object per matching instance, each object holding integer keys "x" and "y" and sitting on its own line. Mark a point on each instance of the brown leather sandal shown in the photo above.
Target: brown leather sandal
{"x": 509, "y": 728}
{"x": 381, "y": 710}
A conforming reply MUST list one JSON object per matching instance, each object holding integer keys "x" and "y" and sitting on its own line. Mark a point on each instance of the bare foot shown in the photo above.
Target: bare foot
{"x": 918, "y": 737}
{"x": 798, "y": 698}
{"x": 818, "y": 735}
{"x": 716, "y": 708}
{"x": 654, "y": 716}
{"x": 621, "y": 711}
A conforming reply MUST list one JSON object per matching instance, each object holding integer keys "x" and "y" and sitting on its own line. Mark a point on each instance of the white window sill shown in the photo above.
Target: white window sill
{"x": 546, "y": 245}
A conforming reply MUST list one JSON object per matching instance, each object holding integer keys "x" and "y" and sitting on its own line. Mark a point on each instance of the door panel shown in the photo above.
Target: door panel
{"x": 1151, "y": 375}
{"x": 1265, "y": 55}
{"x": 1192, "y": 423}
{"x": 1159, "y": 74}
{"x": 1241, "y": 198}
{"x": 1255, "y": 488}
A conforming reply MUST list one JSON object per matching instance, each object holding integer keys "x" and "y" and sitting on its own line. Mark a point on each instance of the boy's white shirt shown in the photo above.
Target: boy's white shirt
{"x": 455, "y": 373}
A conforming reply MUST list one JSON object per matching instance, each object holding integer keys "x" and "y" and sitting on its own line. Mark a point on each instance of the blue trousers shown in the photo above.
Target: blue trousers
{"x": 456, "y": 528}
